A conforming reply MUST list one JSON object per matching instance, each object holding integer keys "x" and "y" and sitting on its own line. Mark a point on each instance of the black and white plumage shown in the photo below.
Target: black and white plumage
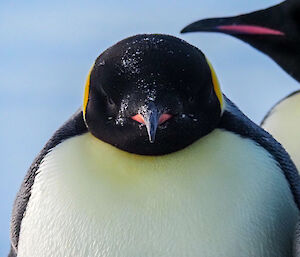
{"x": 73, "y": 127}
{"x": 232, "y": 192}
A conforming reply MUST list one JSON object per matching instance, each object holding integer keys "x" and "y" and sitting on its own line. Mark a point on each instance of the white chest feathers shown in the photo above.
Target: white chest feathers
{"x": 223, "y": 196}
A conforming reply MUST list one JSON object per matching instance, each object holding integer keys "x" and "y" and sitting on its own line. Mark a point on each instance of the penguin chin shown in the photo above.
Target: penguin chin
{"x": 172, "y": 135}
{"x": 170, "y": 138}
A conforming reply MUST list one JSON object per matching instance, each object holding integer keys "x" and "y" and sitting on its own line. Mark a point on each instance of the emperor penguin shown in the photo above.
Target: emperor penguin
{"x": 157, "y": 162}
{"x": 274, "y": 31}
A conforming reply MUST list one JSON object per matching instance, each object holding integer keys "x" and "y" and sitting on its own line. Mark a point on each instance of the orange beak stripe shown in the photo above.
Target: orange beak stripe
{"x": 163, "y": 118}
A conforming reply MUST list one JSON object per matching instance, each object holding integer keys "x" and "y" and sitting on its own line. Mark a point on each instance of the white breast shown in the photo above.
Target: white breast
{"x": 284, "y": 124}
{"x": 223, "y": 196}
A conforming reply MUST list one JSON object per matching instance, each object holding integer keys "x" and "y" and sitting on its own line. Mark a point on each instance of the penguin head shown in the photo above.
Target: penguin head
{"x": 152, "y": 95}
{"x": 276, "y": 23}
{"x": 274, "y": 31}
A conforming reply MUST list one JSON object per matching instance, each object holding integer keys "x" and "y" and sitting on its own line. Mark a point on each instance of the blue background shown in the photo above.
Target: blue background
{"x": 47, "y": 48}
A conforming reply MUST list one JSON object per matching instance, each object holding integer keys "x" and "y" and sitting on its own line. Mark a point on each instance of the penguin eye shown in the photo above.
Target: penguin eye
{"x": 110, "y": 101}
{"x": 110, "y": 104}
{"x": 191, "y": 99}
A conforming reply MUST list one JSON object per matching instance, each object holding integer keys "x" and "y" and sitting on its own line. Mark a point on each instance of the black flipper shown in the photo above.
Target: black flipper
{"x": 235, "y": 121}
{"x": 73, "y": 127}
{"x": 296, "y": 250}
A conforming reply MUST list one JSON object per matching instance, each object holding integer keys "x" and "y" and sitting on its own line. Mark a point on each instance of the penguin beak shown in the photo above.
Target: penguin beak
{"x": 151, "y": 117}
{"x": 232, "y": 26}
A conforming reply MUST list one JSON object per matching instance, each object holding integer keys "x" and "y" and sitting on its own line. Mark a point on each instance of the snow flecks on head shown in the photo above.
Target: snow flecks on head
{"x": 131, "y": 64}
{"x": 188, "y": 116}
{"x": 133, "y": 55}
{"x": 121, "y": 115}
{"x": 136, "y": 51}
{"x": 143, "y": 110}
{"x": 101, "y": 63}
{"x": 151, "y": 95}
{"x": 141, "y": 126}
{"x": 132, "y": 59}
{"x": 192, "y": 116}
{"x": 147, "y": 89}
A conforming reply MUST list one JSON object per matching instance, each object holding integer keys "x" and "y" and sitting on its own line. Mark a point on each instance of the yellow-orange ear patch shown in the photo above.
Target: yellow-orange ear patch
{"x": 216, "y": 85}
{"x": 86, "y": 92}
